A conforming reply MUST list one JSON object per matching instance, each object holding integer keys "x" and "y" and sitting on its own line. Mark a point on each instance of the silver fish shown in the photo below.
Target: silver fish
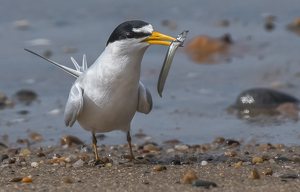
{"x": 168, "y": 61}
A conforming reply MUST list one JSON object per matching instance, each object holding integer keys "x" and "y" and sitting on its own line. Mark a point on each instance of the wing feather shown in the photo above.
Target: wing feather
{"x": 74, "y": 105}
{"x": 145, "y": 100}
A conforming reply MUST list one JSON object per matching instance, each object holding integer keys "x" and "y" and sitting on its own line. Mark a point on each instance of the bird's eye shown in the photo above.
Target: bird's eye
{"x": 129, "y": 34}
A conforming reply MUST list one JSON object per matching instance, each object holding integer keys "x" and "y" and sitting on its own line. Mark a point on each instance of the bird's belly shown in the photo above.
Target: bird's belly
{"x": 113, "y": 114}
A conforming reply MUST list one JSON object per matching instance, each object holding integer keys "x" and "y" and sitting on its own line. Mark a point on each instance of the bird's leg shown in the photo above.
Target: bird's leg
{"x": 95, "y": 146}
{"x": 129, "y": 143}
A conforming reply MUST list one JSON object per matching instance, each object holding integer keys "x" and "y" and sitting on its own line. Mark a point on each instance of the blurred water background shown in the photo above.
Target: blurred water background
{"x": 196, "y": 96}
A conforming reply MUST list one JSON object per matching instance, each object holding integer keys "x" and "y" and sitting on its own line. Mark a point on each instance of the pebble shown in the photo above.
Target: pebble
{"x": 237, "y": 165}
{"x": 267, "y": 172}
{"x": 202, "y": 183}
{"x": 257, "y": 160}
{"x": 3, "y": 156}
{"x": 68, "y": 165}
{"x": 67, "y": 180}
{"x": 69, "y": 140}
{"x": 189, "y": 177}
{"x": 34, "y": 164}
{"x": 265, "y": 157}
{"x": 27, "y": 180}
{"x": 158, "y": 168}
{"x": 202, "y": 48}
{"x": 181, "y": 147}
{"x": 5, "y": 165}
{"x": 232, "y": 142}
{"x": 282, "y": 159}
{"x": 254, "y": 175}
{"x": 40, "y": 154}
{"x": 219, "y": 140}
{"x": 16, "y": 179}
{"x": 150, "y": 147}
{"x": 78, "y": 163}
{"x": 272, "y": 161}
{"x": 204, "y": 163}
{"x": 172, "y": 142}
{"x": 26, "y": 95}
{"x": 296, "y": 160}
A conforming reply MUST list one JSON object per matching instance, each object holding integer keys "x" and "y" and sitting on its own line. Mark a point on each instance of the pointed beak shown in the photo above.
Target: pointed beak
{"x": 159, "y": 38}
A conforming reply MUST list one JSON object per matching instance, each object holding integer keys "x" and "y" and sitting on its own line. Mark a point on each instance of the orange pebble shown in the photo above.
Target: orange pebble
{"x": 27, "y": 180}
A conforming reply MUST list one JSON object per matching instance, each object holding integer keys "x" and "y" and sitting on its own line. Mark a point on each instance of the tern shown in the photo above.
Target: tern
{"x": 106, "y": 96}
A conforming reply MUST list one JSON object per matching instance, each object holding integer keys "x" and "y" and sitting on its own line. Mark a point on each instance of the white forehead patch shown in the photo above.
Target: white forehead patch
{"x": 145, "y": 29}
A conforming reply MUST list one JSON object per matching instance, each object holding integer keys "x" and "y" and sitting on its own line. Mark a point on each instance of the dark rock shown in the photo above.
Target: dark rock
{"x": 3, "y": 145}
{"x": 262, "y": 98}
{"x": 231, "y": 142}
{"x": 176, "y": 162}
{"x": 282, "y": 159}
{"x": 3, "y": 156}
{"x": 26, "y": 95}
{"x": 202, "y": 183}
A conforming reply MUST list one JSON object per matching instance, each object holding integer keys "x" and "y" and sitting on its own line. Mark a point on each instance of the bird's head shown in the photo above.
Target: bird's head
{"x": 137, "y": 34}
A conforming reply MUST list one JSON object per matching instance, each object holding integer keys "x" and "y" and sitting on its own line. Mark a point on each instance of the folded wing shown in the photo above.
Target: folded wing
{"x": 145, "y": 100}
{"x": 74, "y": 105}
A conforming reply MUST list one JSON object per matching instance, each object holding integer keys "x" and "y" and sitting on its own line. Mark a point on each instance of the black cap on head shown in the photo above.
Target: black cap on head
{"x": 125, "y": 31}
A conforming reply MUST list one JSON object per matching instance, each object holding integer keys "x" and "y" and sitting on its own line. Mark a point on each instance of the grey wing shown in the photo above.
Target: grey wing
{"x": 145, "y": 100}
{"x": 74, "y": 105}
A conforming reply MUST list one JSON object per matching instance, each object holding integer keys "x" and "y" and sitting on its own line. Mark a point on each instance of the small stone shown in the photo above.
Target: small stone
{"x": 232, "y": 142}
{"x": 181, "y": 147}
{"x": 202, "y": 183}
{"x": 68, "y": 159}
{"x": 68, "y": 165}
{"x": 254, "y": 175}
{"x": 257, "y": 160}
{"x": 272, "y": 161}
{"x": 27, "y": 180}
{"x": 237, "y": 165}
{"x": 34, "y": 164}
{"x": 204, "y": 163}
{"x": 219, "y": 140}
{"x": 172, "y": 142}
{"x": 67, "y": 180}
{"x": 189, "y": 177}
{"x": 282, "y": 159}
{"x": 109, "y": 164}
{"x": 26, "y": 95}
{"x": 267, "y": 172}
{"x": 42, "y": 162}
{"x": 158, "y": 168}
{"x": 69, "y": 140}
{"x": 16, "y": 179}
{"x": 176, "y": 162}
{"x": 47, "y": 53}
{"x": 104, "y": 160}
{"x": 40, "y": 155}
{"x": 5, "y": 166}
{"x": 296, "y": 160}
{"x": 3, "y": 156}
{"x": 192, "y": 158}
{"x": 56, "y": 160}
{"x": 265, "y": 157}
{"x": 78, "y": 163}
{"x": 150, "y": 147}
{"x": 25, "y": 152}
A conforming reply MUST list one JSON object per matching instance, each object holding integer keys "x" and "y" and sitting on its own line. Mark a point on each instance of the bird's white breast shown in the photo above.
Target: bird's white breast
{"x": 110, "y": 92}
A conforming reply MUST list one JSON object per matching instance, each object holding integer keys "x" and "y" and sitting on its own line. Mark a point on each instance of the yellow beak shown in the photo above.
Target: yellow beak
{"x": 159, "y": 38}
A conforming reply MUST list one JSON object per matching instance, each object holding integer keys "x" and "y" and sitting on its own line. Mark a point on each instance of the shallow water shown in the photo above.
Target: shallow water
{"x": 195, "y": 98}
